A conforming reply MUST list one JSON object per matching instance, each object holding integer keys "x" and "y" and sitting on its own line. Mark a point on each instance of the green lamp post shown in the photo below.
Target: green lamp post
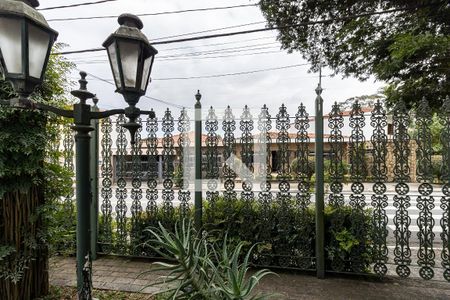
{"x": 25, "y": 44}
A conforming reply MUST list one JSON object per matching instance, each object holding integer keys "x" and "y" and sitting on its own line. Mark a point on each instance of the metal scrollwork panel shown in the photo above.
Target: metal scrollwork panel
{"x": 212, "y": 161}
{"x": 136, "y": 190}
{"x": 283, "y": 195}
{"x": 185, "y": 163}
{"x": 336, "y": 140}
{"x": 106, "y": 191}
{"x": 168, "y": 126}
{"x": 358, "y": 168}
{"x": 229, "y": 145}
{"x": 402, "y": 220}
{"x": 247, "y": 195}
{"x": 379, "y": 198}
{"x": 263, "y": 173}
{"x": 358, "y": 175}
{"x": 121, "y": 190}
{"x": 303, "y": 172}
{"x": 150, "y": 172}
{"x": 444, "y": 117}
{"x": 425, "y": 202}
{"x": 303, "y": 175}
{"x": 152, "y": 169}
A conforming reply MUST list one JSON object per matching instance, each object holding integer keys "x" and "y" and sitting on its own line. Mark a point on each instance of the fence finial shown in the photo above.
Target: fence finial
{"x": 198, "y": 96}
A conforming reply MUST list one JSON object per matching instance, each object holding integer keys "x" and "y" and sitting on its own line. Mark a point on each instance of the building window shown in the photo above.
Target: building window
{"x": 390, "y": 129}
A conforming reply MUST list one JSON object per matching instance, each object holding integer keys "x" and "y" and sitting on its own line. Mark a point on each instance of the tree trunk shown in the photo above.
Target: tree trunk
{"x": 19, "y": 228}
{"x": 23, "y": 249}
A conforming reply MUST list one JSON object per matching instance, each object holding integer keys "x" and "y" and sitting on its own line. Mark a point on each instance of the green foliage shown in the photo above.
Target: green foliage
{"x": 178, "y": 176}
{"x": 345, "y": 167}
{"x": 436, "y": 128}
{"x": 284, "y": 235}
{"x": 30, "y": 172}
{"x": 310, "y": 169}
{"x": 200, "y": 269}
{"x": 346, "y": 240}
{"x": 22, "y": 151}
{"x": 342, "y": 245}
{"x": 408, "y": 49}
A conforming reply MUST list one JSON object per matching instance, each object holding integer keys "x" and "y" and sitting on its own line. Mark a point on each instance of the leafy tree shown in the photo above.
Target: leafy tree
{"x": 408, "y": 47}
{"x": 27, "y": 183}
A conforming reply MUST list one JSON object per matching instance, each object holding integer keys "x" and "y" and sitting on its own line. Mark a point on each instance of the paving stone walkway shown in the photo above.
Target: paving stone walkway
{"x": 129, "y": 275}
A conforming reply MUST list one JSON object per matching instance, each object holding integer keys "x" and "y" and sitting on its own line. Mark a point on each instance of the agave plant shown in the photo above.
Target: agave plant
{"x": 233, "y": 282}
{"x": 200, "y": 269}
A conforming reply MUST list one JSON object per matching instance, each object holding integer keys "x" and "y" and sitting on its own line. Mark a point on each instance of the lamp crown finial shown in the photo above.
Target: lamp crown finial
{"x": 83, "y": 81}
{"x": 130, "y": 20}
{"x": 319, "y": 89}
{"x": 32, "y": 3}
{"x": 82, "y": 93}
{"x": 198, "y": 97}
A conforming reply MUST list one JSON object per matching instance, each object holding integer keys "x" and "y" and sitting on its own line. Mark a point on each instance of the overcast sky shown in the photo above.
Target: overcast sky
{"x": 289, "y": 86}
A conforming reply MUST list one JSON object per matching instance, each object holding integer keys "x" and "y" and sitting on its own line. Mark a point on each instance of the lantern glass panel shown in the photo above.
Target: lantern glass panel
{"x": 11, "y": 44}
{"x": 114, "y": 64}
{"x": 39, "y": 43}
{"x": 146, "y": 74}
{"x": 129, "y": 52}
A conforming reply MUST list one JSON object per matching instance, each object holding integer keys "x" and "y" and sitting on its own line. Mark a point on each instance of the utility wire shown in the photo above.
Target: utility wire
{"x": 166, "y": 42}
{"x": 184, "y": 58}
{"x": 148, "y": 97}
{"x": 157, "y": 13}
{"x": 188, "y": 57}
{"x": 204, "y": 31}
{"x": 185, "y": 47}
{"x": 253, "y": 30}
{"x": 220, "y": 56}
{"x": 220, "y": 44}
{"x": 215, "y": 75}
{"x": 245, "y": 48}
{"x": 224, "y": 50}
{"x": 77, "y": 5}
{"x": 232, "y": 74}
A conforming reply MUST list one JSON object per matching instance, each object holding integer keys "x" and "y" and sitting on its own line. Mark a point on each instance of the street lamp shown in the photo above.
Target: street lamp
{"x": 131, "y": 58}
{"x": 25, "y": 44}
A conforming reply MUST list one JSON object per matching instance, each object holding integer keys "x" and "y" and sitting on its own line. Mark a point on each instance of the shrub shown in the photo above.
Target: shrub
{"x": 284, "y": 234}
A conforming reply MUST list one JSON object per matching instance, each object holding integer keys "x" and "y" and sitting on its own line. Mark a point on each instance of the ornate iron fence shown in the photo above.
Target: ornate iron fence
{"x": 386, "y": 211}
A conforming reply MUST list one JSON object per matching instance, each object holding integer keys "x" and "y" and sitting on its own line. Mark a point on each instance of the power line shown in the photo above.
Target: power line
{"x": 77, "y": 5}
{"x": 220, "y": 44}
{"x": 148, "y": 97}
{"x": 245, "y": 48}
{"x": 157, "y": 13}
{"x": 204, "y": 31}
{"x": 213, "y": 76}
{"x": 166, "y": 42}
{"x": 221, "y": 56}
{"x": 185, "y": 58}
{"x": 231, "y": 74}
{"x": 223, "y": 50}
{"x": 251, "y": 31}
{"x": 185, "y": 47}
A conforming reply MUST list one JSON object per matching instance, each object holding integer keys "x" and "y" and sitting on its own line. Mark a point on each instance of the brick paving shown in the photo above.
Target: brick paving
{"x": 108, "y": 274}
{"x": 128, "y": 275}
